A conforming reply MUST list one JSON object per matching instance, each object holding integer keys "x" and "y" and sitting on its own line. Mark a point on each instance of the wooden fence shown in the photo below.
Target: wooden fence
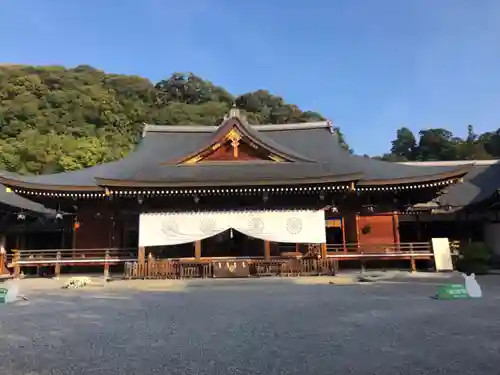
{"x": 177, "y": 269}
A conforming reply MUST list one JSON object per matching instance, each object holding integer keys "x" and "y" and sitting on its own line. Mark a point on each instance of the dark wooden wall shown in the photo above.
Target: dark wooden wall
{"x": 383, "y": 229}
{"x": 99, "y": 227}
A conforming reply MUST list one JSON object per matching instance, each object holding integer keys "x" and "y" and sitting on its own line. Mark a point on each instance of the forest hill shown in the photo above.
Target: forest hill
{"x": 55, "y": 119}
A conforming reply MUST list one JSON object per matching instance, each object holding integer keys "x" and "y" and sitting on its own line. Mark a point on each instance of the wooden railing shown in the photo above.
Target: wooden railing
{"x": 58, "y": 258}
{"x": 375, "y": 250}
{"x": 288, "y": 263}
{"x": 409, "y": 251}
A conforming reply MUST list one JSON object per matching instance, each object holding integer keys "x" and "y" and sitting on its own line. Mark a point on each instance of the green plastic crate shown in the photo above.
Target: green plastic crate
{"x": 3, "y": 294}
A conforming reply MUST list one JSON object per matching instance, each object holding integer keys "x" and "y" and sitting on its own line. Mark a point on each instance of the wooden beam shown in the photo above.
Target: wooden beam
{"x": 3, "y": 256}
{"x": 3, "y": 268}
{"x": 74, "y": 227}
{"x": 267, "y": 250}
{"x": 413, "y": 265}
{"x": 197, "y": 250}
{"x": 342, "y": 223}
{"x": 106, "y": 266}
{"x": 323, "y": 250}
{"x": 57, "y": 268}
{"x": 358, "y": 237}
{"x": 141, "y": 255}
{"x": 418, "y": 224}
{"x": 395, "y": 223}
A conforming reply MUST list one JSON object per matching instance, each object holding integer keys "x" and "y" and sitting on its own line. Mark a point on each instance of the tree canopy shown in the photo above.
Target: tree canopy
{"x": 56, "y": 119}
{"x": 440, "y": 144}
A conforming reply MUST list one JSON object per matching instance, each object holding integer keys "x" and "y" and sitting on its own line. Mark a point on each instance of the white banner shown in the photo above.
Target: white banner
{"x": 297, "y": 226}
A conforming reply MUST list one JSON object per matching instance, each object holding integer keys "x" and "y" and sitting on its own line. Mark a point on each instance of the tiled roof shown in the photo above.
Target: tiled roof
{"x": 16, "y": 202}
{"x": 479, "y": 184}
{"x": 314, "y": 148}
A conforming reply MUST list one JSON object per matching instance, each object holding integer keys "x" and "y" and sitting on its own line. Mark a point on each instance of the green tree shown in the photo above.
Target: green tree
{"x": 56, "y": 119}
{"x": 404, "y": 147}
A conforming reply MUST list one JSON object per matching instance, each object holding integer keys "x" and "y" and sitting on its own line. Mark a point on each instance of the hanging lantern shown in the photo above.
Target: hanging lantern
{"x": 76, "y": 225}
{"x": 265, "y": 196}
{"x": 369, "y": 208}
{"x": 140, "y": 199}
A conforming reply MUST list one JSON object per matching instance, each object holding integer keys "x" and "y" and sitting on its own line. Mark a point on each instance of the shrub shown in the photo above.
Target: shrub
{"x": 474, "y": 258}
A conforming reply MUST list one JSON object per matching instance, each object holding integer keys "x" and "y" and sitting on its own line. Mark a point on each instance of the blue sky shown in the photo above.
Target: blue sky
{"x": 368, "y": 65}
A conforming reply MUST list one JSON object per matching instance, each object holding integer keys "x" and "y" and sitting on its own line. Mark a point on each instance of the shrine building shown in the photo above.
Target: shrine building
{"x": 237, "y": 190}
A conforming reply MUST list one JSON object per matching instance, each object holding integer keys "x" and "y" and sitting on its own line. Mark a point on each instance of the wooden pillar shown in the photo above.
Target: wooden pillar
{"x": 3, "y": 256}
{"x": 297, "y": 248}
{"x": 323, "y": 250}
{"x": 112, "y": 230}
{"x": 419, "y": 231}
{"x": 267, "y": 250}
{"x": 57, "y": 268}
{"x": 74, "y": 228}
{"x": 342, "y": 226}
{"x": 197, "y": 250}
{"x": 150, "y": 266}
{"x": 357, "y": 230}
{"x": 395, "y": 226}
{"x": 141, "y": 255}
{"x": 3, "y": 263}
{"x": 413, "y": 264}
{"x": 17, "y": 266}
{"x": 106, "y": 265}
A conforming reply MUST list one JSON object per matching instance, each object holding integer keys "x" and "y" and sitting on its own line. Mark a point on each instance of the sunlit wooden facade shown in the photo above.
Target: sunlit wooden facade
{"x": 238, "y": 167}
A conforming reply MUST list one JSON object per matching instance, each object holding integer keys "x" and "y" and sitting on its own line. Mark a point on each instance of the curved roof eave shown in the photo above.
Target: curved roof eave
{"x": 14, "y": 200}
{"x": 455, "y": 173}
{"x": 43, "y": 186}
{"x": 347, "y": 178}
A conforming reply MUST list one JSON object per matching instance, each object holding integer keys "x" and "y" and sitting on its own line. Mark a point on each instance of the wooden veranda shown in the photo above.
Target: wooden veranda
{"x": 289, "y": 263}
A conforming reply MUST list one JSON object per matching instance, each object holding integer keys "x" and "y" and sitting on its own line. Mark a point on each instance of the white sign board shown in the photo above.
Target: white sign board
{"x": 442, "y": 254}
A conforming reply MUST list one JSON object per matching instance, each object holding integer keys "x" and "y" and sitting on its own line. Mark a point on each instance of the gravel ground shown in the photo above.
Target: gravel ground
{"x": 252, "y": 327}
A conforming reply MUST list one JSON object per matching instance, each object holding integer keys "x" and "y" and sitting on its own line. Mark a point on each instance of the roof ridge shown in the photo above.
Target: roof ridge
{"x": 451, "y": 163}
{"x": 154, "y": 128}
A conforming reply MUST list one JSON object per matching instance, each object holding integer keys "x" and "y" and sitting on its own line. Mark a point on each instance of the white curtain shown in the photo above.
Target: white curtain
{"x": 297, "y": 226}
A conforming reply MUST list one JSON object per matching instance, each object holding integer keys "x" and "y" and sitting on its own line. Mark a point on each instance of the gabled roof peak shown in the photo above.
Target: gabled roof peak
{"x": 238, "y": 115}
